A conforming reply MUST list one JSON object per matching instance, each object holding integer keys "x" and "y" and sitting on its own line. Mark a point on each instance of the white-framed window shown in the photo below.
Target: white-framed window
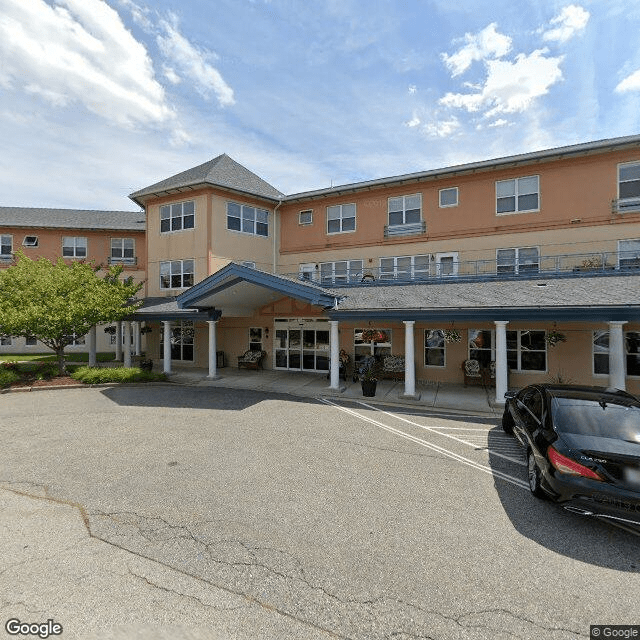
{"x": 255, "y": 338}
{"x": 305, "y": 217}
{"x": 404, "y": 267}
{"x": 309, "y": 271}
{"x": 518, "y": 260}
{"x": 30, "y": 241}
{"x": 6, "y": 341}
{"x": 182, "y": 340}
{"x": 74, "y": 247}
{"x": 482, "y": 346}
{"x": 178, "y": 216}
{"x": 30, "y": 341}
{"x": 362, "y": 349}
{"x": 448, "y": 197}
{"x": 434, "y": 348}
{"x": 176, "y": 274}
{"x": 447, "y": 264}
{"x": 341, "y": 218}
{"x": 341, "y": 271}
{"x": 405, "y": 210}
{"x": 248, "y": 263}
{"x": 518, "y": 195}
{"x": 629, "y": 254}
{"x": 246, "y": 219}
{"x": 123, "y": 250}
{"x": 600, "y": 351}
{"x": 6, "y": 247}
{"x": 527, "y": 350}
{"x": 629, "y": 184}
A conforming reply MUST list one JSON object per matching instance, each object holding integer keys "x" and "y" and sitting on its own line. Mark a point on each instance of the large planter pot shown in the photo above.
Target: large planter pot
{"x": 369, "y": 388}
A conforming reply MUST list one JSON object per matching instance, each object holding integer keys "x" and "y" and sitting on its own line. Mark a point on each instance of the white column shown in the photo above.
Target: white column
{"x": 409, "y": 359}
{"x": 334, "y": 354}
{"x": 502, "y": 369}
{"x": 136, "y": 337}
{"x": 617, "y": 375}
{"x": 166, "y": 366}
{"x": 92, "y": 346}
{"x": 127, "y": 343}
{"x": 213, "y": 363}
{"x": 119, "y": 341}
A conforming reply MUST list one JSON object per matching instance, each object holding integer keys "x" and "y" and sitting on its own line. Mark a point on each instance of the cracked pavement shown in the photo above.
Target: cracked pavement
{"x": 202, "y": 513}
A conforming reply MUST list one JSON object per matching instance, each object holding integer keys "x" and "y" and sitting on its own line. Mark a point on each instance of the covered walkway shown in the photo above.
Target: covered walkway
{"x": 436, "y": 395}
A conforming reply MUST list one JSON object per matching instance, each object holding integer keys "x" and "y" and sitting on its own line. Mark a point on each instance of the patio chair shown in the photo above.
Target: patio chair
{"x": 472, "y": 372}
{"x": 251, "y": 359}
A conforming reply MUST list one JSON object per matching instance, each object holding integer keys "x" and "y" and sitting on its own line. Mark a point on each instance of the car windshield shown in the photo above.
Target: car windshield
{"x": 597, "y": 417}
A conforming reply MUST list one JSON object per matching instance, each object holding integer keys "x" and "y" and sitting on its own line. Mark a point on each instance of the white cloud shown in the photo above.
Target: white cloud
{"x": 192, "y": 62}
{"x": 414, "y": 122}
{"x": 630, "y": 83}
{"x": 79, "y": 51}
{"x": 171, "y": 75}
{"x": 570, "y": 21}
{"x": 510, "y": 86}
{"x": 501, "y": 122}
{"x": 412, "y": 89}
{"x": 484, "y": 45}
{"x": 442, "y": 129}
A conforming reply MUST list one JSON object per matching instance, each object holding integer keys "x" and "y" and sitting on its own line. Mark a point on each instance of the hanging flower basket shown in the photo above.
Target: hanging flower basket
{"x": 374, "y": 335}
{"x": 554, "y": 337}
{"x": 451, "y": 335}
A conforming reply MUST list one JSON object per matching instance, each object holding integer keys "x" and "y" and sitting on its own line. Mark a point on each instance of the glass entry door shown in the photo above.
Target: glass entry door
{"x": 301, "y": 344}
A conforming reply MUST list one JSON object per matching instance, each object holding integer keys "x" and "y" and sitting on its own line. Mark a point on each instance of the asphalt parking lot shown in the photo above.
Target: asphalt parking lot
{"x": 183, "y": 512}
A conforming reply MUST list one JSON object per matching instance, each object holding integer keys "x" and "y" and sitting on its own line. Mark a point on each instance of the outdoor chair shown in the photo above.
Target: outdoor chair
{"x": 251, "y": 359}
{"x": 472, "y": 372}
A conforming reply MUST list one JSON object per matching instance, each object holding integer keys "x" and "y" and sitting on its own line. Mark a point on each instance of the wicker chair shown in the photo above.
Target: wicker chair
{"x": 472, "y": 372}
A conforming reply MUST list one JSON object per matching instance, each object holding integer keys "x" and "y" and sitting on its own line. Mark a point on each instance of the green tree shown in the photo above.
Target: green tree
{"x": 53, "y": 301}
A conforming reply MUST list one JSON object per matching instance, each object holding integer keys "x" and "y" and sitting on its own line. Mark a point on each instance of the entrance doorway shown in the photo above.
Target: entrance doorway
{"x": 301, "y": 344}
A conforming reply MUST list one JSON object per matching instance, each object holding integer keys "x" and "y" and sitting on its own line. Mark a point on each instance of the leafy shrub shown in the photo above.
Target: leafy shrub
{"x": 7, "y": 376}
{"x": 97, "y": 375}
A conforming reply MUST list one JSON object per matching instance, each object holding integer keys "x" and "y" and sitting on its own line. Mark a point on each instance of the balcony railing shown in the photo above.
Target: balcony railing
{"x": 123, "y": 261}
{"x": 411, "y": 229}
{"x": 563, "y": 265}
{"x": 625, "y": 205}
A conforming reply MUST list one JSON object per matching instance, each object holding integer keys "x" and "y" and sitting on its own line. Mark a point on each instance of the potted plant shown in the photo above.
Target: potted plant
{"x": 369, "y": 376}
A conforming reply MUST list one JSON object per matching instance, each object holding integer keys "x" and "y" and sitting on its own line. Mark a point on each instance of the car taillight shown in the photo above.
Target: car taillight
{"x": 567, "y": 465}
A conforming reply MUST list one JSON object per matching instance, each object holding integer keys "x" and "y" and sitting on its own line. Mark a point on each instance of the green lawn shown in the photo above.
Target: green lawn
{"x": 51, "y": 357}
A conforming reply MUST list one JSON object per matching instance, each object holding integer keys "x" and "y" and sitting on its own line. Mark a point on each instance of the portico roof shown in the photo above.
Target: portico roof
{"x": 237, "y": 290}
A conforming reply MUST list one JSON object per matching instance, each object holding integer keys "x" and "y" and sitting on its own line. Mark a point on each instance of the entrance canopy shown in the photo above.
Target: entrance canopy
{"x": 237, "y": 290}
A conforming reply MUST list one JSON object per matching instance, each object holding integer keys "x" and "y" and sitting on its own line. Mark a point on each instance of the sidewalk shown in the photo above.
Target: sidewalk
{"x": 434, "y": 395}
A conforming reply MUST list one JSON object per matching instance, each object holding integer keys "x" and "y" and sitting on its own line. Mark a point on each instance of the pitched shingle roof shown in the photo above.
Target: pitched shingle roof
{"x": 222, "y": 171}
{"x": 32, "y": 217}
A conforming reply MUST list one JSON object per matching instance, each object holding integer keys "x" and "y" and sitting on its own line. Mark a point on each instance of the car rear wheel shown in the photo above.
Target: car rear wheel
{"x": 507, "y": 421}
{"x": 533, "y": 472}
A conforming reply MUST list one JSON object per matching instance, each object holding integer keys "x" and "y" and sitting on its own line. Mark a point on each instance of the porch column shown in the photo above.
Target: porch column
{"x": 334, "y": 354}
{"x": 166, "y": 365}
{"x": 91, "y": 337}
{"x": 502, "y": 369}
{"x": 213, "y": 363}
{"x": 617, "y": 377}
{"x": 409, "y": 360}
{"x": 118, "y": 341}
{"x": 127, "y": 343}
{"x": 136, "y": 337}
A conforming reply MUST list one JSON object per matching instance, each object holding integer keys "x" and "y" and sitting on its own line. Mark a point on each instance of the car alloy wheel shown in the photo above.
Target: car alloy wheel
{"x": 534, "y": 476}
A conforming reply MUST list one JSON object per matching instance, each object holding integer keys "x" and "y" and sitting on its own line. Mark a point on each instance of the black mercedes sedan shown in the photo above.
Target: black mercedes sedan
{"x": 582, "y": 446}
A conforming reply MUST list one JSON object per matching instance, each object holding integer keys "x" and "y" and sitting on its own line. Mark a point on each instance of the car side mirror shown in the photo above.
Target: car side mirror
{"x": 509, "y": 395}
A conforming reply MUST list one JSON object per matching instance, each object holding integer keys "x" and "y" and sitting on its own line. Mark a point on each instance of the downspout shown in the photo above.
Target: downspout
{"x": 275, "y": 235}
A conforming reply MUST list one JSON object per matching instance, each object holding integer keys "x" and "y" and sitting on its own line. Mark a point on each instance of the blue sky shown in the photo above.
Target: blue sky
{"x": 98, "y": 99}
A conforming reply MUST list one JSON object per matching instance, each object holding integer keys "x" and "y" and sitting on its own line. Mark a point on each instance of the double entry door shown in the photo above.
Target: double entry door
{"x": 301, "y": 344}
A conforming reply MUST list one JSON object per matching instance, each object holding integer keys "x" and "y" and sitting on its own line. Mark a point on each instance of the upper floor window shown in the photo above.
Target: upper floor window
{"x": 341, "y": 218}
{"x": 246, "y": 219}
{"x": 629, "y": 254}
{"x": 176, "y": 274}
{"x": 30, "y": 241}
{"x": 73, "y": 247}
{"x": 6, "y": 247}
{"x": 518, "y": 195}
{"x": 122, "y": 250}
{"x": 404, "y": 267}
{"x": 448, "y": 197}
{"x": 405, "y": 210}
{"x": 176, "y": 217}
{"x": 629, "y": 181}
{"x": 518, "y": 260}
{"x": 342, "y": 271}
{"x": 305, "y": 217}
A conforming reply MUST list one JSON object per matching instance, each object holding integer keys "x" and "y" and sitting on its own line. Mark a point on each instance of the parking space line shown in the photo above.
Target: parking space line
{"x": 429, "y": 445}
{"x": 438, "y": 430}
